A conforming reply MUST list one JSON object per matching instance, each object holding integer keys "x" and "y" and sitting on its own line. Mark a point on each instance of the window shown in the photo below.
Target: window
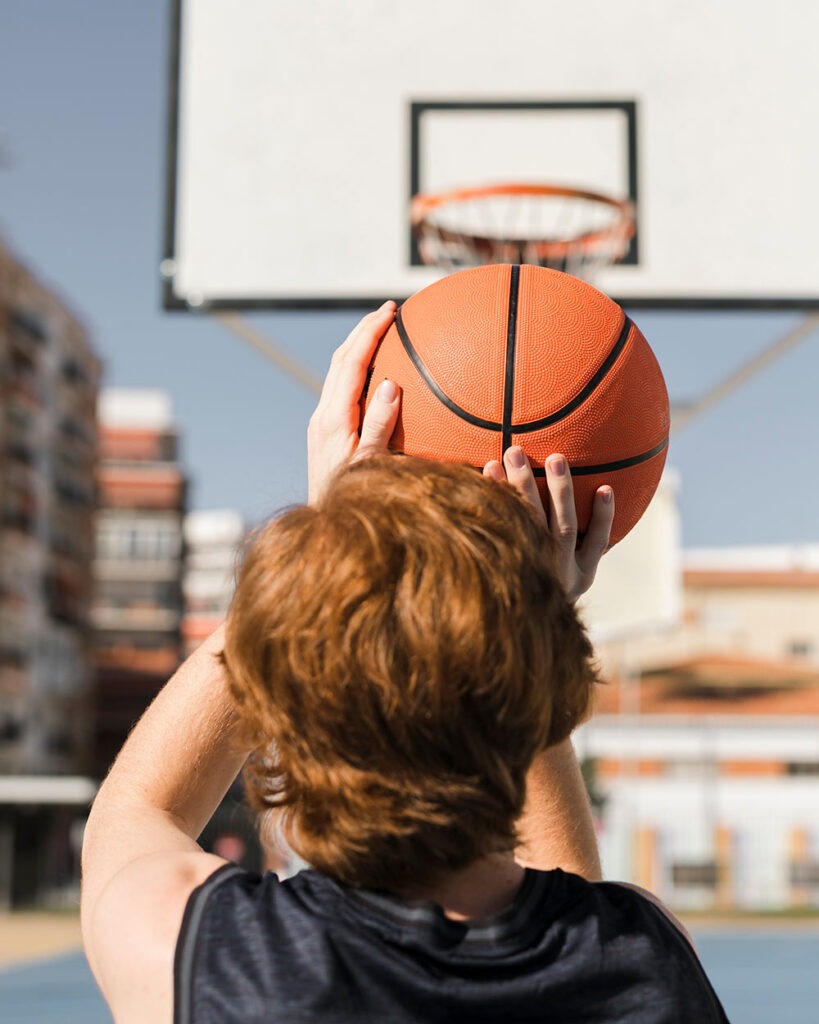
{"x": 27, "y": 324}
{"x": 149, "y": 640}
{"x": 803, "y": 768}
{"x": 703, "y": 873}
{"x": 804, "y": 873}
{"x": 137, "y": 594}
{"x": 139, "y": 542}
{"x": 11, "y": 730}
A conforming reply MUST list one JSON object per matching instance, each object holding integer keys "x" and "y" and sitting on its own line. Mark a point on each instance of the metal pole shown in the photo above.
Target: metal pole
{"x": 683, "y": 415}
{"x": 236, "y": 324}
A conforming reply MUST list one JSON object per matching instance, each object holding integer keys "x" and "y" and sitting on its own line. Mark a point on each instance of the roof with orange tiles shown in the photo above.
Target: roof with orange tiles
{"x": 719, "y": 685}
{"x": 746, "y": 578}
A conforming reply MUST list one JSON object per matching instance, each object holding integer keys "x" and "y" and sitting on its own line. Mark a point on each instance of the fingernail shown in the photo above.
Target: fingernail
{"x": 389, "y": 303}
{"x": 606, "y": 493}
{"x": 557, "y": 464}
{"x": 387, "y": 391}
{"x": 515, "y": 457}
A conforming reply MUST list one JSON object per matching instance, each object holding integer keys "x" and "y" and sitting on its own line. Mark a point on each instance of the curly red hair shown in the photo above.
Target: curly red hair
{"x": 399, "y": 653}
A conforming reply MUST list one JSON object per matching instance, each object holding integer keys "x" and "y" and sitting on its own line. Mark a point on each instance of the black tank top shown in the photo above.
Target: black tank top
{"x": 308, "y": 949}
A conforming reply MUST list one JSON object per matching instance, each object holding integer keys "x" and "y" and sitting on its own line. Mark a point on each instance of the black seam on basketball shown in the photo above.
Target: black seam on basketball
{"x": 581, "y": 396}
{"x": 433, "y": 386}
{"x": 509, "y": 373}
{"x": 611, "y": 467}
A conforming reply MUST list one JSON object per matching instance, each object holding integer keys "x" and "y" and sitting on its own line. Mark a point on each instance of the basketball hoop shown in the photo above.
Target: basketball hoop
{"x": 552, "y": 226}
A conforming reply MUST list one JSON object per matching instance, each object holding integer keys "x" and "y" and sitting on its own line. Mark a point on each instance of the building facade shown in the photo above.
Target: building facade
{"x": 49, "y": 378}
{"x": 705, "y": 738}
{"x": 213, "y": 539}
{"x": 139, "y": 563}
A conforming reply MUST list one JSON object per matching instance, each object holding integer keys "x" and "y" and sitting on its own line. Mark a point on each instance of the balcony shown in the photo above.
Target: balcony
{"x": 67, "y": 593}
{"x": 16, "y": 633}
{"x": 28, "y": 326}
{"x": 136, "y": 617}
{"x": 79, "y": 431}
{"x": 26, "y": 334}
{"x": 141, "y": 487}
{"x": 14, "y": 680}
{"x": 19, "y": 511}
{"x": 138, "y": 447}
{"x": 161, "y": 661}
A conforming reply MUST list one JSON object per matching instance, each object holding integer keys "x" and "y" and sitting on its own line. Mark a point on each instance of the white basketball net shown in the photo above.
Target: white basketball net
{"x": 560, "y": 228}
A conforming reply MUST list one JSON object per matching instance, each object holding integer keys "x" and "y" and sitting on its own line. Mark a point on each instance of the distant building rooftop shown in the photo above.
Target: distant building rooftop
{"x": 214, "y": 526}
{"x": 719, "y": 684}
{"x": 762, "y": 558}
{"x": 139, "y": 408}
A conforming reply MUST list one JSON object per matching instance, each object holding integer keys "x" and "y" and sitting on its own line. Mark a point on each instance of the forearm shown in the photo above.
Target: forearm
{"x": 556, "y": 829}
{"x": 171, "y": 774}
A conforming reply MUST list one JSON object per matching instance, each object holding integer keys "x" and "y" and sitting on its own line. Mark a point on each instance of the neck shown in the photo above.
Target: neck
{"x": 482, "y": 889}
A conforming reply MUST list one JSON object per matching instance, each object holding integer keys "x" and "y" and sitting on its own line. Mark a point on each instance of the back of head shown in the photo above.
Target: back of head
{"x": 399, "y": 653}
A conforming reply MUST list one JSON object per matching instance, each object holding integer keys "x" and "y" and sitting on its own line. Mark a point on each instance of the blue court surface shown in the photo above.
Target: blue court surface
{"x": 763, "y": 975}
{"x": 60, "y": 990}
{"x": 760, "y": 975}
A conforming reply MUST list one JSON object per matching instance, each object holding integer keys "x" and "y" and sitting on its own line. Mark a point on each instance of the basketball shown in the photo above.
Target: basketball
{"x": 507, "y": 354}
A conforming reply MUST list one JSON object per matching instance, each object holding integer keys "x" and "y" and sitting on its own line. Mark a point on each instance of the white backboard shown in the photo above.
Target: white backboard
{"x": 299, "y": 131}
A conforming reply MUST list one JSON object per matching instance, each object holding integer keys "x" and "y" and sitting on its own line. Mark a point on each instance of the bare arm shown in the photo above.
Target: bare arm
{"x": 557, "y": 829}
{"x": 169, "y": 777}
{"x": 140, "y": 857}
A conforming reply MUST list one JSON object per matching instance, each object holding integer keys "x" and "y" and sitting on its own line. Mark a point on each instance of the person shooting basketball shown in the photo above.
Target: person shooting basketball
{"x": 403, "y": 666}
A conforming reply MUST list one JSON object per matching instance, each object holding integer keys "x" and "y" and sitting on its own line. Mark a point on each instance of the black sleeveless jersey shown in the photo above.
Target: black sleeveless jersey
{"x": 308, "y": 949}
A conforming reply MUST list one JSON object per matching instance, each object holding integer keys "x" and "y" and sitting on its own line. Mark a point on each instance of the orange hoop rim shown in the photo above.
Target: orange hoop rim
{"x": 617, "y": 234}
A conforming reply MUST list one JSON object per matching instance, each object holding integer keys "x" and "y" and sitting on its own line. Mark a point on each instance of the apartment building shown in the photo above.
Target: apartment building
{"x": 139, "y": 563}
{"x": 705, "y": 738}
{"x": 49, "y": 378}
{"x": 213, "y": 538}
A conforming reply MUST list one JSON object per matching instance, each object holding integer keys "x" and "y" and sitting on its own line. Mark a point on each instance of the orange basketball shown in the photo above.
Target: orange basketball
{"x": 504, "y": 355}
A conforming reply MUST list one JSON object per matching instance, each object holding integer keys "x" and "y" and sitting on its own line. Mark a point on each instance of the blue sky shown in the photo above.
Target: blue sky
{"x": 82, "y": 118}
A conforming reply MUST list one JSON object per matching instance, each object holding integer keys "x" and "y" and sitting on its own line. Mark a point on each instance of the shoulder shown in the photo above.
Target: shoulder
{"x": 630, "y": 934}
{"x": 675, "y": 953}
{"x": 134, "y": 931}
{"x": 616, "y": 897}
{"x": 619, "y": 909}
{"x": 655, "y": 933}
{"x": 625, "y": 899}
{"x": 655, "y": 901}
